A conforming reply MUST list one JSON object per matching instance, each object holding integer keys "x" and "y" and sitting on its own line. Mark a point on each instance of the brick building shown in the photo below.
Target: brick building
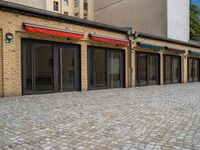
{"x": 45, "y": 52}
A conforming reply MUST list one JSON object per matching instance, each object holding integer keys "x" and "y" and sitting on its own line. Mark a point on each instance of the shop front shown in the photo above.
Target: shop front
{"x": 50, "y": 67}
{"x": 172, "y": 69}
{"x": 56, "y": 53}
{"x": 147, "y": 68}
{"x": 46, "y": 52}
{"x": 105, "y": 68}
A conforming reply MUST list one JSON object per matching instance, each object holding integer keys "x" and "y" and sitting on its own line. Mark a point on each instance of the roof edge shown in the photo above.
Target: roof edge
{"x": 155, "y": 37}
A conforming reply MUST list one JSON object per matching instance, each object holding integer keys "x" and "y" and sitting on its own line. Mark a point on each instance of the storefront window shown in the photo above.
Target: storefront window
{"x": 44, "y": 67}
{"x": 50, "y": 67}
{"x": 172, "y": 69}
{"x": 193, "y": 70}
{"x": 106, "y": 68}
{"x": 147, "y": 69}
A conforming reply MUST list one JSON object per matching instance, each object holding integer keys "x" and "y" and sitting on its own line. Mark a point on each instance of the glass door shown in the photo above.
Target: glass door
{"x": 190, "y": 69}
{"x": 167, "y": 69}
{"x": 172, "y": 69}
{"x": 147, "y": 67}
{"x": 68, "y": 67}
{"x": 142, "y": 62}
{"x": 49, "y": 67}
{"x": 115, "y": 61}
{"x": 176, "y": 70}
{"x": 38, "y": 67}
{"x": 105, "y": 68}
{"x": 100, "y": 69}
{"x": 43, "y": 67}
{"x": 193, "y": 70}
{"x": 153, "y": 69}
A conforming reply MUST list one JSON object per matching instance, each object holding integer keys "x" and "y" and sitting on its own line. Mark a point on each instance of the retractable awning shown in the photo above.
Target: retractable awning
{"x": 174, "y": 50}
{"x": 52, "y": 31}
{"x": 194, "y": 53}
{"x": 99, "y": 38}
{"x": 150, "y": 46}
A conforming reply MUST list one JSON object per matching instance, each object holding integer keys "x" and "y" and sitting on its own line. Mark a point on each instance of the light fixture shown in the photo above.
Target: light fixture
{"x": 9, "y": 37}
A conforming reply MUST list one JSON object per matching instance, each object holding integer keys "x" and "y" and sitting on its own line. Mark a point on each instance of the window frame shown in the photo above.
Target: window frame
{"x": 171, "y": 69}
{"x": 55, "y": 5}
{"x": 66, "y": 2}
{"x": 92, "y": 50}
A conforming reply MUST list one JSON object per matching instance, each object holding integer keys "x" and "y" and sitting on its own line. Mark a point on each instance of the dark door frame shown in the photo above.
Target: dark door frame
{"x": 91, "y": 51}
{"x": 193, "y": 69}
{"x": 32, "y": 57}
{"x": 137, "y": 77}
{"x": 171, "y": 70}
{"x": 25, "y": 41}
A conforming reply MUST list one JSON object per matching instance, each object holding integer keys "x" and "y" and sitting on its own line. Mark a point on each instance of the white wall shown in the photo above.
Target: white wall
{"x": 178, "y": 19}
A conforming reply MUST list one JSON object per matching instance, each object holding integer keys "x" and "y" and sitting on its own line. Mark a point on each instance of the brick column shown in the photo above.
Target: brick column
{"x": 11, "y": 65}
{"x": 84, "y": 69}
{"x": 133, "y": 68}
{"x": 184, "y": 74}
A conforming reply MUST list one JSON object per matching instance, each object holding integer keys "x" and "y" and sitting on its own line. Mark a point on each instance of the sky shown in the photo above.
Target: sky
{"x": 197, "y": 2}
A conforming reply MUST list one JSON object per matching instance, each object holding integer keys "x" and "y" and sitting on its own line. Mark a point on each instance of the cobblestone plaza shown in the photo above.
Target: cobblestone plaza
{"x": 153, "y": 117}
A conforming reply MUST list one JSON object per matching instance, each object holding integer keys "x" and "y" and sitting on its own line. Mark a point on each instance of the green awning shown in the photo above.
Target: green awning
{"x": 195, "y": 53}
{"x": 150, "y": 46}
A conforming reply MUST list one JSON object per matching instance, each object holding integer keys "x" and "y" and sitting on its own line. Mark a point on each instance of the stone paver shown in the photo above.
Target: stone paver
{"x": 153, "y": 117}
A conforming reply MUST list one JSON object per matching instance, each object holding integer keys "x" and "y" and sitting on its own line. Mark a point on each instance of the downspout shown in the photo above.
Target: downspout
{"x": 132, "y": 36}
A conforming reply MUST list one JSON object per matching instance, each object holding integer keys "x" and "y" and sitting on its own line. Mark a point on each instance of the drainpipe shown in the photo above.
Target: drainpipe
{"x": 132, "y": 37}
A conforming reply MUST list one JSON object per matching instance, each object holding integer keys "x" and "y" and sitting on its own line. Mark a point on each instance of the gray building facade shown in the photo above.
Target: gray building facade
{"x": 167, "y": 18}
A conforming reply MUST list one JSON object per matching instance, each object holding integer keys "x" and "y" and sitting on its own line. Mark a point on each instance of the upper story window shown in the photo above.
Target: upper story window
{"x": 76, "y": 3}
{"x": 85, "y": 5}
{"x": 55, "y": 5}
{"x": 65, "y": 2}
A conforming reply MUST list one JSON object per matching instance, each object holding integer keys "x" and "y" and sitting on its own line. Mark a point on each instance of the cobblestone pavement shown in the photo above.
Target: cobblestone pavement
{"x": 153, "y": 117}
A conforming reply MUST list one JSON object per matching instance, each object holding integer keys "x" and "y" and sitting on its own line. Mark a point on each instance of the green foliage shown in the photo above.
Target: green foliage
{"x": 194, "y": 22}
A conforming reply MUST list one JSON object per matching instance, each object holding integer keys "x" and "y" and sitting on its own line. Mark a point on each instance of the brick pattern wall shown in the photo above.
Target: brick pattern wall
{"x": 12, "y": 66}
{"x": 10, "y": 54}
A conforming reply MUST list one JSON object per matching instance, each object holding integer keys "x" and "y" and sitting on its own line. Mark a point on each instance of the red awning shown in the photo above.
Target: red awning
{"x": 52, "y": 31}
{"x": 111, "y": 40}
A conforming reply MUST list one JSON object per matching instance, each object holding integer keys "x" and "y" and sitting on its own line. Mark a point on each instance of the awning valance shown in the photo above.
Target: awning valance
{"x": 150, "y": 46}
{"x": 52, "y": 31}
{"x": 174, "y": 50}
{"x": 194, "y": 53}
{"x": 106, "y": 39}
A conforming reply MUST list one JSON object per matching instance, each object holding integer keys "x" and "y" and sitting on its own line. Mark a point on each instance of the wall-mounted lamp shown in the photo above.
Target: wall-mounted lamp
{"x": 9, "y": 37}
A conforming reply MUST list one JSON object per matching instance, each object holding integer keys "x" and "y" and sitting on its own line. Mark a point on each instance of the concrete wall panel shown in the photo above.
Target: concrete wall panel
{"x": 178, "y": 19}
{"x": 147, "y": 16}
